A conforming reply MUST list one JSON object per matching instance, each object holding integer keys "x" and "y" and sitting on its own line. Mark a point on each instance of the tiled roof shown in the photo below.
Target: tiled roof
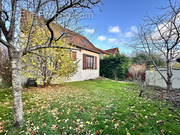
{"x": 112, "y": 51}
{"x": 103, "y": 51}
{"x": 76, "y": 39}
{"x": 71, "y": 37}
{"x": 109, "y": 51}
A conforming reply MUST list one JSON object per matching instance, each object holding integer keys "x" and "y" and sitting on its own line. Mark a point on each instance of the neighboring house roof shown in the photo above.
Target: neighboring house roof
{"x": 102, "y": 51}
{"x": 112, "y": 51}
{"x": 71, "y": 37}
{"x": 109, "y": 51}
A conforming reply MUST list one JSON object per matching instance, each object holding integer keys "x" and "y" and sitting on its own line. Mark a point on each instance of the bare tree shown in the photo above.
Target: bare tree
{"x": 161, "y": 35}
{"x": 51, "y": 10}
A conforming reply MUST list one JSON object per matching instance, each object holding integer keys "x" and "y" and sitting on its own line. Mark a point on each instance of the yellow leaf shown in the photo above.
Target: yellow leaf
{"x": 87, "y": 122}
{"x": 127, "y": 132}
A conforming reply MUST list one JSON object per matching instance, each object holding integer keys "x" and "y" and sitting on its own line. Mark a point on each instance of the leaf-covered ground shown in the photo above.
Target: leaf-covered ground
{"x": 91, "y": 107}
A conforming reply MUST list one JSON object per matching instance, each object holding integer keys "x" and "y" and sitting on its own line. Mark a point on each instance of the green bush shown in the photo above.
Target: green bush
{"x": 115, "y": 67}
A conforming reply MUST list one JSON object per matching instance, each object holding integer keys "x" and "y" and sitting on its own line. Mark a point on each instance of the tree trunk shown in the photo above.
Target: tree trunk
{"x": 169, "y": 86}
{"x": 17, "y": 90}
{"x": 169, "y": 76}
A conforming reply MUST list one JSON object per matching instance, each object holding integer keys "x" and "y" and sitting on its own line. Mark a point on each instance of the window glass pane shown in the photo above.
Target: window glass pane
{"x": 84, "y": 41}
{"x": 90, "y": 62}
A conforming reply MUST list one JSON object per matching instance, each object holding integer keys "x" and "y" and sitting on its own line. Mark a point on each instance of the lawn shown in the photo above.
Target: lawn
{"x": 91, "y": 107}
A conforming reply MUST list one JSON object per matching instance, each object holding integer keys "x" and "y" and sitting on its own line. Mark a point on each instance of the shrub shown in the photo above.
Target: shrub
{"x": 137, "y": 72}
{"x": 115, "y": 66}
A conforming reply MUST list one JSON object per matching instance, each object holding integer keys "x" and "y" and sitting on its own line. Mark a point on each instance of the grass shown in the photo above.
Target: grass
{"x": 90, "y": 107}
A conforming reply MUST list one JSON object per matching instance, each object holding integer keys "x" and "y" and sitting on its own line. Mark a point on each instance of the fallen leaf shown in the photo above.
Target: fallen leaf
{"x": 116, "y": 125}
{"x": 127, "y": 132}
{"x": 87, "y": 122}
{"x": 78, "y": 120}
{"x": 140, "y": 125}
{"x": 1, "y": 130}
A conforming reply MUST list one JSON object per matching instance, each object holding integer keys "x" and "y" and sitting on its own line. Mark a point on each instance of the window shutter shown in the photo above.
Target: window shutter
{"x": 74, "y": 55}
{"x": 95, "y": 62}
{"x": 84, "y": 61}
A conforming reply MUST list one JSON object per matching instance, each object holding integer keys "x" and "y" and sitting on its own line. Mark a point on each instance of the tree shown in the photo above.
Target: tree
{"x": 61, "y": 11}
{"x": 49, "y": 65}
{"x": 161, "y": 35}
{"x": 142, "y": 57}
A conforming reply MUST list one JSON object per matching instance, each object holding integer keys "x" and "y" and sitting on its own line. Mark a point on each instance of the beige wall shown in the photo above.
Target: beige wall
{"x": 86, "y": 74}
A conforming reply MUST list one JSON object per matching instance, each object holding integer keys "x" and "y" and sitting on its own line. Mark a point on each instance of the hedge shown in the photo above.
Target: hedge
{"x": 115, "y": 66}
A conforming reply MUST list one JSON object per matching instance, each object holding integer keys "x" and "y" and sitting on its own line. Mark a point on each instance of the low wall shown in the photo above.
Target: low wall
{"x": 155, "y": 79}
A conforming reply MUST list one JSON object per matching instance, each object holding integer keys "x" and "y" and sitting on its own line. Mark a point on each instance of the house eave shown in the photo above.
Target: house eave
{"x": 87, "y": 49}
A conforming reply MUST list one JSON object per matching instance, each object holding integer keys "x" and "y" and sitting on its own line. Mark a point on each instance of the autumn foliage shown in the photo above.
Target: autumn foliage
{"x": 49, "y": 64}
{"x": 137, "y": 72}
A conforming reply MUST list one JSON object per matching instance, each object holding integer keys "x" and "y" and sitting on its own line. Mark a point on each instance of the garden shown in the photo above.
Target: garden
{"x": 100, "y": 106}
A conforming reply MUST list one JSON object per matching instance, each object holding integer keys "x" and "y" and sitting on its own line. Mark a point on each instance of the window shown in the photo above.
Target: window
{"x": 89, "y": 62}
{"x": 84, "y": 41}
{"x": 74, "y": 55}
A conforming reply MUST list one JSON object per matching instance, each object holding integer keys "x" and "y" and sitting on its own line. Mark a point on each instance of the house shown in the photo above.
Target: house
{"x": 112, "y": 51}
{"x": 87, "y": 55}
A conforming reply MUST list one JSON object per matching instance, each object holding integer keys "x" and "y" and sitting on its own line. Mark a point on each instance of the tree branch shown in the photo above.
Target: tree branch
{"x": 10, "y": 36}
{"x": 67, "y": 5}
{"x": 143, "y": 38}
{"x": 2, "y": 23}
{"x": 6, "y": 44}
{"x": 32, "y": 27}
{"x": 38, "y": 47}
